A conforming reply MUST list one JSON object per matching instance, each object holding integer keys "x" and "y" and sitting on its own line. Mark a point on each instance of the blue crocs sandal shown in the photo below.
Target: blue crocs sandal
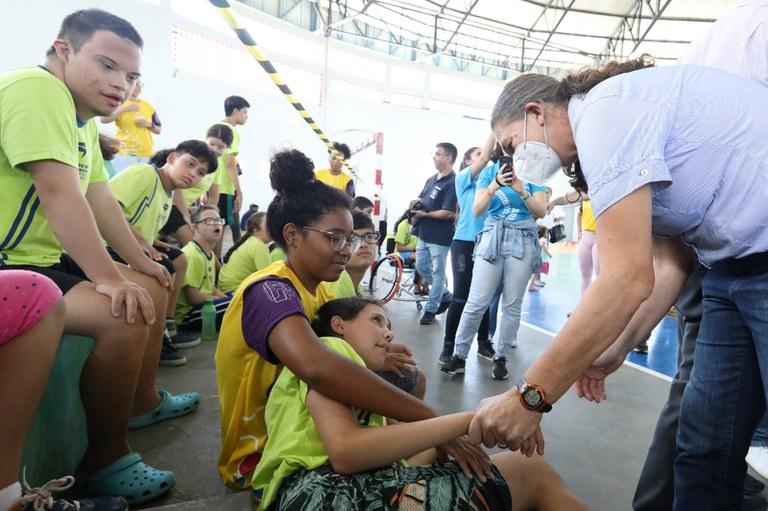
{"x": 170, "y": 407}
{"x": 130, "y": 478}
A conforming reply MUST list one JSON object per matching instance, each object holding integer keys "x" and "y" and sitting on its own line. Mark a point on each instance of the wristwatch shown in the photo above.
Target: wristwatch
{"x": 525, "y": 197}
{"x": 532, "y": 397}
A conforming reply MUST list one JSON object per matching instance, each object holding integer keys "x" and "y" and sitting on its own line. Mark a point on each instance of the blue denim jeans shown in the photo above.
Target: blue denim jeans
{"x": 513, "y": 274}
{"x": 430, "y": 263}
{"x": 725, "y": 398}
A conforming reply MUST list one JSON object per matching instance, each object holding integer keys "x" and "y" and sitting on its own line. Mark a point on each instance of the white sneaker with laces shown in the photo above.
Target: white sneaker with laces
{"x": 757, "y": 458}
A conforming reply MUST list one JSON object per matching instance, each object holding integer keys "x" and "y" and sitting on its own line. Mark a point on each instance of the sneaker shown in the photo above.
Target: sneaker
{"x": 428, "y": 318}
{"x": 170, "y": 356}
{"x": 485, "y": 349}
{"x": 185, "y": 339}
{"x": 754, "y": 503}
{"x": 444, "y": 303}
{"x": 454, "y": 366}
{"x": 641, "y": 348}
{"x": 500, "y": 369}
{"x": 446, "y": 354}
{"x": 40, "y": 499}
{"x": 752, "y": 486}
{"x": 757, "y": 458}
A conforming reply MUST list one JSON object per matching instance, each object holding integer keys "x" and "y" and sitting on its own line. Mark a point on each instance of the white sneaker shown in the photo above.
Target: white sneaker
{"x": 757, "y": 458}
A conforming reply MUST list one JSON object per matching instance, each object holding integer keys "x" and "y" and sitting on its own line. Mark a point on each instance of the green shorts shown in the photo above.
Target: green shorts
{"x": 435, "y": 488}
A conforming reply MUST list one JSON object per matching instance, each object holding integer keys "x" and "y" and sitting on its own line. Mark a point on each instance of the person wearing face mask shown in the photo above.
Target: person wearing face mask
{"x": 507, "y": 249}
{"x": 674, "y": 159}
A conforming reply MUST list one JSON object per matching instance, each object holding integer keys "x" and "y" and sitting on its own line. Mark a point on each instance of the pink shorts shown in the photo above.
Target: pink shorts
{"x": 25, "y": 297}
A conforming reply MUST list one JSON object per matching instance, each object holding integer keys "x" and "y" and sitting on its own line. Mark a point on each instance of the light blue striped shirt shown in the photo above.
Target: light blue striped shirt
{"x": 699, "y": 136}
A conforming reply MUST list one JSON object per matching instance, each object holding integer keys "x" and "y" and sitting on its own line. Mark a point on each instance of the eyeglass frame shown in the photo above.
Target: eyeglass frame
{"x": 334, "y": 236}
{"x": 374, "y": 235}
{"x": 211, "y": 221}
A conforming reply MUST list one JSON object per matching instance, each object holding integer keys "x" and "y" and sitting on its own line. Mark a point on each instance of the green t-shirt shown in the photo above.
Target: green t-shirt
{"x": 276, "y": 253}
{"x": 404, "y": 236}
{"x": 344, "y": 287}
{"x": 201, "y": 274}
{"x": 38, "y": 122}
{"x": 226, "y": 186}
{"x": 293, "y": 442}
{"x": 146, "y": 204}
{"x": 251, "y": 256}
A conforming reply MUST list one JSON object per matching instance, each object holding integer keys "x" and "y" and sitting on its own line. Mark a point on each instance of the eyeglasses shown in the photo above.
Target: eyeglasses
{"x": 369, "y": 237}
{"x": 211, "y": 221}
{"x": 338, "y": 241}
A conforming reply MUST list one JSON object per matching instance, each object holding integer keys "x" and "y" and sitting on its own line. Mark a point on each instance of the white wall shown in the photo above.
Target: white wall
{"x": 188, "y": 89}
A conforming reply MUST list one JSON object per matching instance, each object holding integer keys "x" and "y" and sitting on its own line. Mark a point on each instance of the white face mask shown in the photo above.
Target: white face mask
{"x": 535, "y": 162}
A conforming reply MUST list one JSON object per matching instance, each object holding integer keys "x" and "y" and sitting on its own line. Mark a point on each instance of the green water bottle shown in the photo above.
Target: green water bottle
{"x": 209, "y": 321}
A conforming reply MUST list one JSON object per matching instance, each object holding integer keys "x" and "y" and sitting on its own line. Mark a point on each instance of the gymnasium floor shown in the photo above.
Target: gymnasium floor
{"x": 598, "y": 449}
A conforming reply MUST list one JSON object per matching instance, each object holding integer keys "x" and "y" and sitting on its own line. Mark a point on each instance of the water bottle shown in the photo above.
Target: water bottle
{"x": 209, "y": 321}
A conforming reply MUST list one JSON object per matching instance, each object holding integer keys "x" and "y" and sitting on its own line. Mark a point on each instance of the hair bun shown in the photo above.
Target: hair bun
{"x": 290, "y": 171}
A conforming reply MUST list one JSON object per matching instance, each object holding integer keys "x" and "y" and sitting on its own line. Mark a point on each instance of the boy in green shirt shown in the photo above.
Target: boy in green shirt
{"x": 228, "y": 179}
{"x": 144, "y": 191}
{"x": 55, "y": 197}
{"x": 200, "y": 281}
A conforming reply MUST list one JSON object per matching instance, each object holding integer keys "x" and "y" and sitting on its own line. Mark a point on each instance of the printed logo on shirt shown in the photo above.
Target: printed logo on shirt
{"x": 84, "y": 165}
{"x": 278, "y": 292}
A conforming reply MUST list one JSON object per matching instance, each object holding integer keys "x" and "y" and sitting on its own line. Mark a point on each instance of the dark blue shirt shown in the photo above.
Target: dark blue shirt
{"x": 437, "y": 194}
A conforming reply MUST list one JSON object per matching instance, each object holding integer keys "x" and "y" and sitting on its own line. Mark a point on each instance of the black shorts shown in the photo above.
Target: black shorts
{"x": 175, "y": 222}
{"x": 170, "y": 254}
{"x": 66, "y": 274}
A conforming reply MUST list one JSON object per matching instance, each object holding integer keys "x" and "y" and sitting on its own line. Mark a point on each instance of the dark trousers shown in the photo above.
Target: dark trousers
{"x": 655, "y": 490}
{"x": 462, "y": 264}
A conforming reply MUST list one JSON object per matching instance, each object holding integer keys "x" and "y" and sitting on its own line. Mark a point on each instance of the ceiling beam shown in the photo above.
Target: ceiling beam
{"x": 551, "y": 33}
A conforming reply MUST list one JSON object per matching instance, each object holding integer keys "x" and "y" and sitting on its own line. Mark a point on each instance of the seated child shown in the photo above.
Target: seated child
{"x": 250, "y": 254}
{"x": 200, "y": 281}
{"x": 144, "y": 192}
{"x": 219, "y": 138}
{"x": 31, "y": 324}
{"x": 359, "y": 262}
{"x": 401, "y": 370}
{"x": 348, "y": 458}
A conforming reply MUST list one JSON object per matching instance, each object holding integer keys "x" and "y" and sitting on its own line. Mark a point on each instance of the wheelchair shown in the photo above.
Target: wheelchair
{"x": 393, "y": 280}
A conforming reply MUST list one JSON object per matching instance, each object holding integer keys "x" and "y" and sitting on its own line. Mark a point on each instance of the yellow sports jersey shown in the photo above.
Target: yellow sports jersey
{"x": 587, "y": 217}
{"x": 344, "y": 287}
{"x": 137, "y": 141}
{"x": 339, "y": 181}
{"x": 145, "y": 202}
{"x": 223, "y": 179}
{"x": 38, "y": 122}
{"x": 245, "y": 378}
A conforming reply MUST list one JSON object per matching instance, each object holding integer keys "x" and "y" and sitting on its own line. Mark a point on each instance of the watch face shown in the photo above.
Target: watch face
{"x": 532, "y": 397}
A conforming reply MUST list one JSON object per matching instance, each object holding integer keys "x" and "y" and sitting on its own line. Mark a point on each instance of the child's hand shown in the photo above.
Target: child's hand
{"x": 399, "y": 362}
{"x": 472, "y": 459}
{"x": 396, "y": 347}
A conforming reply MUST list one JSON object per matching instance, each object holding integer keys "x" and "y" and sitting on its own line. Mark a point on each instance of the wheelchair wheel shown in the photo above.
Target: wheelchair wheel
{"x": 385, "y": 278}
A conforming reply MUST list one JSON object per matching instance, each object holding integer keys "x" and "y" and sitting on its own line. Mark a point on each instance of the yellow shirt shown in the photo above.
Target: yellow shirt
{"x": 587, "y": 217}
{"x": 244, "y": 379}
{"x": 136, "y": 141}
{"x": 339, "y": 181}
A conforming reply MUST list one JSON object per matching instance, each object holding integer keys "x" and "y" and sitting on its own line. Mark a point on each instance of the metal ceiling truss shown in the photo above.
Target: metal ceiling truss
{"x": 633, "y": 28}
{"x": 466, "y": 37}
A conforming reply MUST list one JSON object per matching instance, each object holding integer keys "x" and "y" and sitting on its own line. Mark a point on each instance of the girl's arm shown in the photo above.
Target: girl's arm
{"x": 350, "y": 447}
{"x": 295, "y": 344}
{"x": 195, "y": 296}
{"x": 485, "y": 155}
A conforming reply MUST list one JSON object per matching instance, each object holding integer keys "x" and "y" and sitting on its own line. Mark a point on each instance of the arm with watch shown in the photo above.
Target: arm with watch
{"x": 536, "y": 202}
{"x": 626, "y": 280}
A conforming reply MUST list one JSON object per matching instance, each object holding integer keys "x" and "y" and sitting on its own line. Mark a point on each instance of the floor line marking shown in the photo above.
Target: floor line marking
{"x": 626, "y": 362}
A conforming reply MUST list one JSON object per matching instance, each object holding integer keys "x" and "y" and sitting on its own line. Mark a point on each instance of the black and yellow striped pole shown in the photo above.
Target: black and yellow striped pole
{"x": 244, "y": 36}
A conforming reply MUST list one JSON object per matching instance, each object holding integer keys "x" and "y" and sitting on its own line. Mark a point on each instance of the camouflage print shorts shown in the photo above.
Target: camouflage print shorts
{"x": 395, "y": 488}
